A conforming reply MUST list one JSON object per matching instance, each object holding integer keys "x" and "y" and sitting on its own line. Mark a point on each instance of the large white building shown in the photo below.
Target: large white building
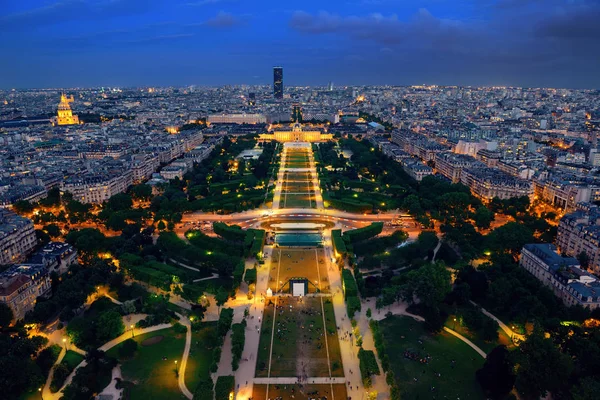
{"x": 17, "y": 237}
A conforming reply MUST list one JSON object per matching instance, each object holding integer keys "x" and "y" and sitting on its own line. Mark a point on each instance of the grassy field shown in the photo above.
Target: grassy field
{"x": 335, "y": 354}
{"x": 297, "y": 200}
{"x": 297, "y": 392}
{"x": 476, "y": 339}
{"x": 151, "y": 371}
{"x": 201, "y": 354}
{"x": 450, "y": 369}
{"x": 299, "y": 348}
{"x": 72, "y": 359}
{"x": 308, "y": 263}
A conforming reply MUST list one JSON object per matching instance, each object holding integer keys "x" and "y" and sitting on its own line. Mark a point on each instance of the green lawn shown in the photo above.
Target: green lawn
{"x": 72, "y": 359}
{"x": 201, "y": 355}
{"x": 297, "y": 201}
{"x": 152, "y": 369}
{"x": 456, "y": 380}
{"x": 475, "y": 337}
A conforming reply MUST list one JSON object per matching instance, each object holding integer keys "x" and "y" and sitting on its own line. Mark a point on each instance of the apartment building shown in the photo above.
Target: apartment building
{"x": 451, "y": 165}
{"x": 416, "y": 169}
{"x": 17, "y": 237}
{"x": 566, "y": 193}
{"x": 562, "y": 275}
{"x": 487, "y": 183}
{"x": 21, "y": 285}
{"x": 97, "y": 188}
{"x": 579, "y": 232}
{"x": 237, "y": 119}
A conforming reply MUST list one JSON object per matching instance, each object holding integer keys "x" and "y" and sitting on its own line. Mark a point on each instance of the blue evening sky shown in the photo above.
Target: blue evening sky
{"x": 69, "y": 43}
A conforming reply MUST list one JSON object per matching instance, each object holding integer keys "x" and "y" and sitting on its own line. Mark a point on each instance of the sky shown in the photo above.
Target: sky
{"x": 124, "y": 43}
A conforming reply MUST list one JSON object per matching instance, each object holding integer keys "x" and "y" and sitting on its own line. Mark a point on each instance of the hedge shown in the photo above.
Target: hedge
{"x": 379, "y": 244}
{"x": 224, "y": 386}
{"x": 259, "y": 241}
{"x": 213, "y": 244}
{"x": 360, "y": 234}
{"x": 368, "y": 365}
{"x": 350, "y": 287}
{"x": 238, "y": 273}
{"x": 349, "y": 205}
{"x": 225, "y": 319}
{"x": 380, "y": 345}
{"x": 338, "y": 243}
{"x": 353, "y": 305}
{"x": 238, "y": 339}
{"x": 204, "y": 390}
{"x": 250, "y": 276}
{"x": 233, "y": 233}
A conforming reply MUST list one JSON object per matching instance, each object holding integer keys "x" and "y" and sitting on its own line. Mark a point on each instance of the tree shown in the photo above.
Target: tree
{"x": 496, "y": 377}
{"x": 119, "y": 202}
{"x": 128, "y": 348}
{"x": 489, "y": 330}
{"x": 161, "y": 225}
{"x": 541, "y": 366}
{"x": 483, "y": 217}
{"x": 430, "y": 284}
{"x": 109, "y": 326}
{"x": 22, "y": 207}
{"x": 6, "y": 315}
{"x": 588, "y": 388}
{"x": 584, "y": 260}
{"x": 510, "y": 238}
{"x": 52, "y": 230}
{"x": 141, "y": 192}
{"x": 221, "y": 297}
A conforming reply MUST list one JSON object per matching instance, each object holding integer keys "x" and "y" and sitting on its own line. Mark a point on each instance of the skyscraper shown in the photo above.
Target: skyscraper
{"x": 278, "y": 82}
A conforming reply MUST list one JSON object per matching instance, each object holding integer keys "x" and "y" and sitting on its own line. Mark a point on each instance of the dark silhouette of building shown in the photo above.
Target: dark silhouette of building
{"x": 251, "y": 99}
{"x": 278, "y": 82}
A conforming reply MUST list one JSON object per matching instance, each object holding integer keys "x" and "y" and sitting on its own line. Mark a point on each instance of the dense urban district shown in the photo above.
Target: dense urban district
{"x": 251, "y": 242}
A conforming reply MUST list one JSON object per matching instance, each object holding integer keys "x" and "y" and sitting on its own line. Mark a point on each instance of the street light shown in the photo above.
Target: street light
{"x": 132, "y": 331}
{"x": 40, "y": 391}
{"x": 64, "y": 343}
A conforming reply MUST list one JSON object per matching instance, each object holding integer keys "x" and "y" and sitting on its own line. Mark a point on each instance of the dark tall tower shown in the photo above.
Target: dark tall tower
{"x": 278, "y": 82}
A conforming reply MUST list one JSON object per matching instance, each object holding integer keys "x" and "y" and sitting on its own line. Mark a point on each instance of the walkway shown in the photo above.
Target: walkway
{"x": 294, "y": 380}
{"x": 467, "y": 341}
{"x": 348, "y": 349}
{"x": 515, "y": 337}
{"x": 186, "y": 353}
{"x": 47, "y": 395}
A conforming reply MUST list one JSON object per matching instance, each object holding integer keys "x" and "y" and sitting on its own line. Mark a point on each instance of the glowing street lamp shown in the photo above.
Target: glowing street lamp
{"x": 132, "y": 330}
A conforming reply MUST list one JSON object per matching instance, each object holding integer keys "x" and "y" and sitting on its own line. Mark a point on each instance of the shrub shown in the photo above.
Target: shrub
{"x": 224, "y": 386}
{"x": 353, "y": 305}
{"x": 368, "y": 365}
{"x": 238, "y": 339}
{"x": 128, "y": 348}
{"x": 61, "y": 372}
{"x": 250, "y": 276}
{"x": 204, "y": 390}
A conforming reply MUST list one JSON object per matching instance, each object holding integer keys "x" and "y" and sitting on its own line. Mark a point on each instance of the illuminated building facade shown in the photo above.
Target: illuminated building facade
{"x": 278, "y": 82}
{"x": 296, "y": 134}
{"x": 65, "y": 115}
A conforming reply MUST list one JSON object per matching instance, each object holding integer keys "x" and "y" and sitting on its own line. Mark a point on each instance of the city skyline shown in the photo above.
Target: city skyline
{"x": 218, "y": 42}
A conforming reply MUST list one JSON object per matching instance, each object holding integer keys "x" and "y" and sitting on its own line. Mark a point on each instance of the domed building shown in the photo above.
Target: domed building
{"x": 65, "y": 114}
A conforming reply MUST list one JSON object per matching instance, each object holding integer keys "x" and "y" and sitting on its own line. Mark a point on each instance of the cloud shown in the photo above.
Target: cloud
{"x": 63, "y": 11}
{"x": 206, "y": 2}
{"x": 378, "y": 28}
{"x": 225, "y": 19}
